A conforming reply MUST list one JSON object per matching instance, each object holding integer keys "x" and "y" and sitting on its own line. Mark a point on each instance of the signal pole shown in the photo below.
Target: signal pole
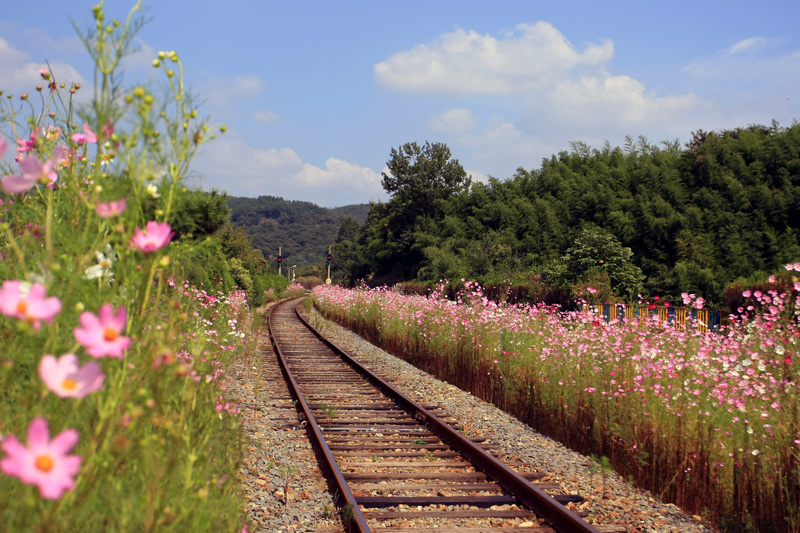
{"x": 330, "y": 258}
{"x": 280, "y": 260}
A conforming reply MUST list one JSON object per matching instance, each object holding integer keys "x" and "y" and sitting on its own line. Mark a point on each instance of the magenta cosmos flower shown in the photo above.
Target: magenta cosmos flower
{"x": 44, "y": 462}
{"x": 111, "y": 209}
{"x": 26, "y": 145}
{"x": 87, "y": 137}
{"x": 154, "y": 237}
{"x": 67, "y": 379}
{"x": 31, "y": 305}
{"x": 101, "y": 334}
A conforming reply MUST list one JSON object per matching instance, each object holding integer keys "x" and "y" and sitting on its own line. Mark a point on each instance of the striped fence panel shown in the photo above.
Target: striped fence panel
{"x": 705, "y": 319}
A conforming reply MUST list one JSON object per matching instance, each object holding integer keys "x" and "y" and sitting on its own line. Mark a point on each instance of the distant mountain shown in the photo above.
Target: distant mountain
{"x": 303, "y": 230}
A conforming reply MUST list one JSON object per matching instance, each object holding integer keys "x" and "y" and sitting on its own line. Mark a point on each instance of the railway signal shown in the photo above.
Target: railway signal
{"x": 328, "y": 261}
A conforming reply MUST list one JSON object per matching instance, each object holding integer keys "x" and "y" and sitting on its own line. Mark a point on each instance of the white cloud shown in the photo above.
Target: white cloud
{"x": 747, "y": 44}
{"x": 223, "y": 92}
{"x": 536, "y": 66}
{"x": 607, "y": 99}
{"x": 534, "y": 57}
{"x": 21, "y": 75}
{"x": 247, "y": 86}
{"x": 454, "y": 121}
{"x": 266, "y": 117}
{"x": 229, "y": 164}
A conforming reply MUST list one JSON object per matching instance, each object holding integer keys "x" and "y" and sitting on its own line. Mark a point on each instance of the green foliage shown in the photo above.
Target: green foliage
{"x": 421, "y": 180}
{"x": 203, "y": 264}
{"x": 303, "y": 230}
{"x": 240, "y": 275}
{"x": 199, "y": 213}
{"x": 344, "y": 250}
{"x": 419, "y": 176}
{"x": 694, "y": 219}
{"x": 153, "y": 445}
{"x": 247, "y": 265}
{"x": 598, "y": 252}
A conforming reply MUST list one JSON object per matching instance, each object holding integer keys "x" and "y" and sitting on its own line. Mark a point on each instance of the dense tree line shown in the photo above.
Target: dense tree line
{"x": 219, "y": 255}
{"x": 656, "y": 219}
{"x": 303, "y": 230}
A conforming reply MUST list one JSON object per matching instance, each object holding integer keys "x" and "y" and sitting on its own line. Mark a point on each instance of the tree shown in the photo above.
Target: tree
{"x": 421, "y": 175}
{"x": 421, "y": 180}
{"x": 344, "y": 248}
{"x": 594, "y": 252}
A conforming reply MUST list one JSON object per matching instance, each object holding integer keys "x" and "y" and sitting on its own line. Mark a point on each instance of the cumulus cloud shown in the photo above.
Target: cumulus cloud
{"x": 600, "y": 100}
{"x": 454, "y": 121}
{"x": 533, "y": 57}
{"x": 536, "y": 66}
{"x": 230, "y": 164}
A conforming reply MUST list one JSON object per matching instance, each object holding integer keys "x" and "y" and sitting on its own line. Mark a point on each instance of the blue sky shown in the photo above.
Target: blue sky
{"x": 315, "y": 94}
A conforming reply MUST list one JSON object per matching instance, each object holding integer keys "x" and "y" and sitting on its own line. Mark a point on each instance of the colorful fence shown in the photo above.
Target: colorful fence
{"x": 676, "y": 316}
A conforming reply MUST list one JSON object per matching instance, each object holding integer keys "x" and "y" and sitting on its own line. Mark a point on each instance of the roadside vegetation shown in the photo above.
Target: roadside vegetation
{"x": 705, "y": 419}
{"x": 124, "y": 299}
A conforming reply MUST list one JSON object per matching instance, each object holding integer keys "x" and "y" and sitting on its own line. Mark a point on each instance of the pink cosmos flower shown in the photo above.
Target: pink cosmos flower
{"x": 3, "y": 146}
{"x": 30, "y": 305}
{"x": 101, "y": 334}
{"x": 88, "y": 137}
{"x": 111, "y": 209}
{"x": 33, "y": 172}
{"x": 44, "y": 462}
{"x": 154, "y": 237}
{"x": 67, "y": 379}
{"x": 30, "y": 144}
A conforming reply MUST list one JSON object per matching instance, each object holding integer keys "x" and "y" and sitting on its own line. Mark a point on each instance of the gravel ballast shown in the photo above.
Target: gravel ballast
{"x": 279, "y": 450}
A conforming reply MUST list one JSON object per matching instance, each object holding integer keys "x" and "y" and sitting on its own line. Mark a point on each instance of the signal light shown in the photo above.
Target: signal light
{"x": 280, "y": 259}
{"x": 330, "y": 258}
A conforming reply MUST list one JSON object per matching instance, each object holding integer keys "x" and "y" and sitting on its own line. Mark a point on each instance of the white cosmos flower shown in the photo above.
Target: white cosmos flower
{"x": 103, "y": 266}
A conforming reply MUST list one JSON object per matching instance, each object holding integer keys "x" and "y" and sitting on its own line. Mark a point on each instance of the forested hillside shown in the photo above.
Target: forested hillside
{"x": 303, "y": 230}
{"x": 656, "y": 219}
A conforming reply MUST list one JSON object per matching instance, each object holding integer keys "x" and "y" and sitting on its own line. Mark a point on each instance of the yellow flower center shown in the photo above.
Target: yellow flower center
{"x": 69, "y": 384}
{"x": 44, "y": 463}
{"x": 105, "y": 264}
{"x": 22, "y": 308}
{"x": 110, "y": 334}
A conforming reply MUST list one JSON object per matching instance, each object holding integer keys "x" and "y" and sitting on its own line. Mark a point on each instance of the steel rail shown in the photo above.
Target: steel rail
{"x": 558, "y": 516}
{"x": 344, "y": 497}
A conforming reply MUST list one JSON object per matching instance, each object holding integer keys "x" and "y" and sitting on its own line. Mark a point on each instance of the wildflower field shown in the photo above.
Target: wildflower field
{"x": 705, "y": 419}
{"x": 113, "y": 366}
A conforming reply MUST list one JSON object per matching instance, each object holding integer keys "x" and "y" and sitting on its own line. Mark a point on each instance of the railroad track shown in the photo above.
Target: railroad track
{"x": 394, "y": 464}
